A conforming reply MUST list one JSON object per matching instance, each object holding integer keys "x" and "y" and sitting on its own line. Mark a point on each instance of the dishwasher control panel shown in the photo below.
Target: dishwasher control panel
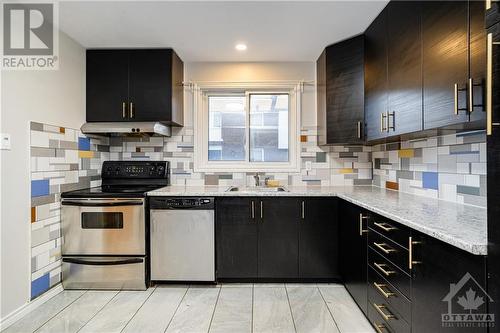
{"x": 181, "y": 203}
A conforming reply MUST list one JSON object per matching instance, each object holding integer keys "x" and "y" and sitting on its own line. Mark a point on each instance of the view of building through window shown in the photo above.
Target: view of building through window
{"x": 266, "y": 129}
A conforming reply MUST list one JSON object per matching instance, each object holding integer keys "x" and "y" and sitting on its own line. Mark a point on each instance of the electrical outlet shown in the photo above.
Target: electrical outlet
{"x": 4, "y": 141}
{"x": 308, "y": 165}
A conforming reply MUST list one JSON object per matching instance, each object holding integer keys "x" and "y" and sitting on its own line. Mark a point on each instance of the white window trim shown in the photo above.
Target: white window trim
{"x": 200, "y": 92}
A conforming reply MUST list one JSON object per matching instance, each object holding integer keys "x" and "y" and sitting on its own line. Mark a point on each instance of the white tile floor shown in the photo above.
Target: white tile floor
{"x": 230, "y": 308}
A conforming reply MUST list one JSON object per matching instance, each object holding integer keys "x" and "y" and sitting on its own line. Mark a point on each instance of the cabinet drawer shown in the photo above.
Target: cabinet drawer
{"x": 397, "y": 254}
{"x": 389, "y": 271}
{"x": 378, "y": 286}
{"x": 380, "y": 311}
{"x": 392, "y": 230}
{"x": 381, "y": 326}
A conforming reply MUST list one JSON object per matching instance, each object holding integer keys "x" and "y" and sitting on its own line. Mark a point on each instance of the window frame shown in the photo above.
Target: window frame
{"x": 201, "y": 93}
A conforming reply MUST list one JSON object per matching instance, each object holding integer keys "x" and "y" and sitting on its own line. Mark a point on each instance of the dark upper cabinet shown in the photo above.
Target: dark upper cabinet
{"x": 404, "y": 71}
{"x": 135, "y": 85}
{"x": 341, "y": 93}
{"x": 353, "y": 251}
{"x": 107, "y": 85}
{"x": 318, "y": 239}
{"x": 376, "y": 88}
{"x": 492, "y": 13}
{"x": 236, "y": 233}
{"x": 445, "y": 62}
{"x": 278, "y": 249}
{"x": 477, "y": 62}
{"x": 441, "y": 266}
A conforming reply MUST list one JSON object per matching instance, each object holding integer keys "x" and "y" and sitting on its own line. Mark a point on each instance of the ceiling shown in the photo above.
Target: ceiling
{"x": 209, "y": 30}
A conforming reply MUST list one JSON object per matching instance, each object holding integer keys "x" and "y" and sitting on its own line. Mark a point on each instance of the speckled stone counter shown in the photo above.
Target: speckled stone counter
{"x": 462, "y": 226}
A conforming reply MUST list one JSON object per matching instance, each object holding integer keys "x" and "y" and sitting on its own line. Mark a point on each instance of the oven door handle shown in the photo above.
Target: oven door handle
{"x": 102, "y": 203}
{"x": 103, "y": 263}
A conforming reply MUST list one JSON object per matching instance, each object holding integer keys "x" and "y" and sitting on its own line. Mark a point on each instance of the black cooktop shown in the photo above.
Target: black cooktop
{"x": 126, "y": 179}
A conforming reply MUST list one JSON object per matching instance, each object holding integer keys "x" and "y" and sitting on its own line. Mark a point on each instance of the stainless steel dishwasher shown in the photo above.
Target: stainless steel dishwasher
{"x": 182, "y": 239}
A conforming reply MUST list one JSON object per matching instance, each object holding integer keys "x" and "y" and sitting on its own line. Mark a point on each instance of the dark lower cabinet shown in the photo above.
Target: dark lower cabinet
{"x": 236, "y": 238}
{"x": 353, "y": 251}
{"x": 278, "y": 249}
{"x": 318, "y": 239}
{"x": 446, "y": 280}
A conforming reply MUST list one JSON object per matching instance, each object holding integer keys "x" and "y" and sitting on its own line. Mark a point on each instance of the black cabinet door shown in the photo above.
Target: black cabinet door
{"x": 150, "y": 85}
{"x": 404, "y": 67}
{"x": 318, "y": 239}
{"x": 440, "y": 266}
{"x": 107, "y": 85}
{"x": 345, "y": 91}
{"x": 278, "y": 250}
{"x": 477, "y": 60}
{"x": 353, "y": 251}
{"x": 492, "y": 12}
{"x": 376, "y": 78}
{"x": 445, "y": 62}
{"x": 236, "y": 237}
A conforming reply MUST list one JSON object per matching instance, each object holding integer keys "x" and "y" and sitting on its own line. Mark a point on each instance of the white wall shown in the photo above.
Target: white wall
{"x": 51, "y": 97}
{"x": 256, "y": 71}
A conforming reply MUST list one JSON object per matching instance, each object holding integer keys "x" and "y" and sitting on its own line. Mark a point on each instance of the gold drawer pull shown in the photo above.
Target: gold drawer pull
{"x": 380, "y": 328}
{"x": 382, "y": 267}
{"x": 380, "y": 309}
{"x": 380, "y": 287}
{"x": 385, "y": 248}
{"x": 385, "y": 226}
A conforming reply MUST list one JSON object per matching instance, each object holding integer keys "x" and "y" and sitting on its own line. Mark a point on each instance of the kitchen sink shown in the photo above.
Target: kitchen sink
{"x": 256, "y": 189}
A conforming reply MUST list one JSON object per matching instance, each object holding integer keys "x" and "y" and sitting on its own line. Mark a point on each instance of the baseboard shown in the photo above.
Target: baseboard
{"x": 28, "y": 307}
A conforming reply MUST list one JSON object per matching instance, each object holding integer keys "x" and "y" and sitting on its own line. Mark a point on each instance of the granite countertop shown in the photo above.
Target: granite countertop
{"x": 463, "y": 226}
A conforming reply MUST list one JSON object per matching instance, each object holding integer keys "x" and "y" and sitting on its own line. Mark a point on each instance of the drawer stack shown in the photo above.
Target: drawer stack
{"x": 389, "y": 275}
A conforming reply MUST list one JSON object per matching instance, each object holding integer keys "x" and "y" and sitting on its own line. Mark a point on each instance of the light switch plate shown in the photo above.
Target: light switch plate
{"x": 308, "y": 165}
{"x": 4, "y": 141}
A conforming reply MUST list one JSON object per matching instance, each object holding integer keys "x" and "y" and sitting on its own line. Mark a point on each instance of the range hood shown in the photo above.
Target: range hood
{"x": 127, "y": 128}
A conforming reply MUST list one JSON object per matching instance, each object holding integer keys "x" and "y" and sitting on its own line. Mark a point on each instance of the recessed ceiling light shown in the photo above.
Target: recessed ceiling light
{"x": 240, "y": 47}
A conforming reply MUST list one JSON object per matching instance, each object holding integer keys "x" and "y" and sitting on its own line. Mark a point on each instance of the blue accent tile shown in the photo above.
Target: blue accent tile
{"x": 40, "y": 285}
{"x": 39, "y": 188}
{"x": 84, "y": 144}
{"x": 430, "y": 180}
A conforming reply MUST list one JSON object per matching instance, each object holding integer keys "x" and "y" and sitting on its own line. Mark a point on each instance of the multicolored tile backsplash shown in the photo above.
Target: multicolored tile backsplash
{"x": 450, "y": 167}
{"x": 62, "y": 159}
{"x": 337, "y": 165}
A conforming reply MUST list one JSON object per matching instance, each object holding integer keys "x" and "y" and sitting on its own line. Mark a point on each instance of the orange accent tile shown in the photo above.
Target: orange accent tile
{"x": 406, "y": 153}
{"x": 303, "y": 138}
{"x": 85, "y": 154}
{"x": 346, "y": 170}
{"x": 62, "y": 130}
{"x": 33, "y": 214}
{"x": 392, "y": 186}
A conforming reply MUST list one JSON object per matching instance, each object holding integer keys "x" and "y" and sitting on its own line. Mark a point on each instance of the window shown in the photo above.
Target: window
{"x": 254, "y": 129}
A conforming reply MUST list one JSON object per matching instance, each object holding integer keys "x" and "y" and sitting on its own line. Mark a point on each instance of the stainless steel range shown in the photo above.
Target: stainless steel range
{"x": 104, "y": 228}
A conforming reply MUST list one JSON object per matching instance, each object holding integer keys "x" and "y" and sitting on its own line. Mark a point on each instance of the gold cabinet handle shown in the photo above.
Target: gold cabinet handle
{"x": 132, "y": 111}
{"x": 489, "y": 83}
{"x": 359, "y": 129}
{"x": 124, "y": 110}
{"x": 380, "y": 309}
{"x": 380, "y": 287}
{"x": 303, "y": 210}
{"x": 385, "y": 226}
{"x": 412, "y": 262}
{"x": 383, "y": 116}
{"x": 488, "y": 4}
{"x": 384, "y": 248}
{"x": 253, "y": 210}
{"x": 381, "y": 267}
{"x": 380, "y": 328}
{"x": 261, "y": 210}
{"x": 361, "y": 218}
{"x": 470, "y": 85}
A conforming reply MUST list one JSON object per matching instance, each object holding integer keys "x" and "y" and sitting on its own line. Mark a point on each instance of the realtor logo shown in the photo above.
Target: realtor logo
{"x": 30, "y": 35}
{"x": 467, "y": 305}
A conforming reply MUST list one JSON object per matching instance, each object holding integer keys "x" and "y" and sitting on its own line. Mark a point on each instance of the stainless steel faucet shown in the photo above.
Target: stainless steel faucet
{"x": 257, "y": 179}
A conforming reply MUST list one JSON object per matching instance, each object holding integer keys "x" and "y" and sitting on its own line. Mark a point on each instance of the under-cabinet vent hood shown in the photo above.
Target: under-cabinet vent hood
{"x": 127, "y": 128}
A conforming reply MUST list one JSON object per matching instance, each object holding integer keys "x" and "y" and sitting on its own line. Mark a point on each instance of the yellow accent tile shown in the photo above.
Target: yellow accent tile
{"x": 406, "y": 153}
{"x": 85, "y": 154}
{"x": 346, "y": 170}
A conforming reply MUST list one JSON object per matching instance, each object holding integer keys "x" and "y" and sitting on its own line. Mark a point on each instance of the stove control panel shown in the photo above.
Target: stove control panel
{"x": 135, "y": 169}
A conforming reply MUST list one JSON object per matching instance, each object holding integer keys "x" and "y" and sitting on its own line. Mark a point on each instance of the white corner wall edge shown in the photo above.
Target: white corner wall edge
{"x": 15, "y": 315}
